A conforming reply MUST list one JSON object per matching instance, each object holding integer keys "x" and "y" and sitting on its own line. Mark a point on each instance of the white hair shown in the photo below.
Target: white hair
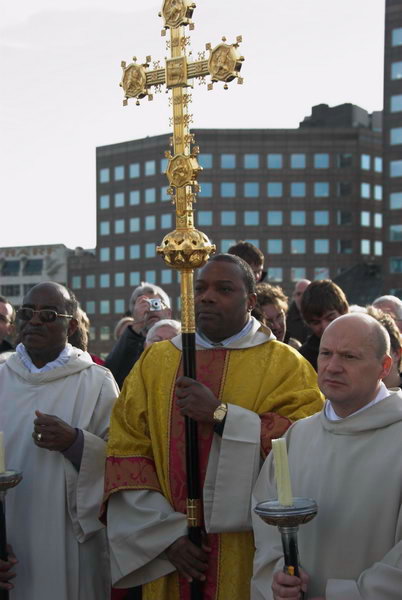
{"x": 176, "y": 325}
{"x": 148, "y": 288}
{"x": 394, "y": 300}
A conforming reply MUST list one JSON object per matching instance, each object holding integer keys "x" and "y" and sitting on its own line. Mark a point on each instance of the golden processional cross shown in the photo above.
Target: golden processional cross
{"x": 185, "y": 248}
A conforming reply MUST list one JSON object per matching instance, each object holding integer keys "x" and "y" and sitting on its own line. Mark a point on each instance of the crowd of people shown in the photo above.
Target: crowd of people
{"x": 101, "y": 511}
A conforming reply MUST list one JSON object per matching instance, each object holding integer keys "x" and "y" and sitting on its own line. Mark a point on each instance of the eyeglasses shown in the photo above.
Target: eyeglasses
{"x": 46, "y": 315}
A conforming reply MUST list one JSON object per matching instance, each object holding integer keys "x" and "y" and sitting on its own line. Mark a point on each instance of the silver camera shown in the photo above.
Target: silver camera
{"x": 155, "y": 304}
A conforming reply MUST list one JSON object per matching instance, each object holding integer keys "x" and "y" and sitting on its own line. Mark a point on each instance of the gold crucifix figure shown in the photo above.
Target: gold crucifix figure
{"x": 185, "y": 248}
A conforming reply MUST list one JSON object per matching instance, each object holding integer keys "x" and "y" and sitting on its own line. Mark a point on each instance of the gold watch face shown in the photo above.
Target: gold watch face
{"x": 220, "y": 413}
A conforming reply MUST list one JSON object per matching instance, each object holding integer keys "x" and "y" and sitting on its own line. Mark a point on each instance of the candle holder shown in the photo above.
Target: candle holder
{"x": 288, "y": 519}
{"x": 8, "y": 480}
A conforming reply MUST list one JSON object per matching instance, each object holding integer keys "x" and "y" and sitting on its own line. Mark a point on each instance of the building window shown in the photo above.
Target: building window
{"x": 228, "y": 161}
{"x": 297, "y": 161}
{"x": 321, "y": 217}
{"x": 104, "y": 307}
{"x": 134, "y": 224}
{"x": 104, "y": 202}
{"x": 297, "y": 273}
{"x": 228, "y": 190}
{"x": 119, "y": 226}
{"x": 134, "y": 170}
{"x": 225, "y": 244}
{"x": 105, "y": 333}
{"x": 395, "y": 265}
{"x": 135, "y": 251}
{"x": 397, "y": 36}
{"x": 378, "y": 192}
{"x": 365, "y": 190}
{"x": 274, "y": 217}
{"x": 251, "y": 161}
{"x": 396, "y": 70}
{"x": 10, "y": 267}
{"x": 164, "y": 164}
{"x": 395, "y": 201}
{"x": 76, "y": 282}
{"x": 321, "y": 273}
{"x": 344, "y": 160}
{"x": 150, "y": 250}
{"x": 150, "y": 167}
{"x": 90, "y": 307}
{"x": 274, "y": 161}
{"x": 104, "y": 228}
{"x": 134, "y": 278}
{"x": 297, "y": 246}
{"x": 343, "y": 188}
{"x": 33, "y": 266}
{"x": 378, "y": 220}
{"x": 321, "y": 189}
{"x": 150, "y": 223}
{"x": 119, "y": 253}
{"x": 206, "y": 190}
{"x": 119, "y": 279}
{"x": 251, "y": 189}
{"x": 150, "y": 195}
{"x": 150, "y": 276}
{"x": 251, "y": 217}
{"x": 134, "y": 197}
{"x": 395, "y": 233}
{"x": 255, "y": 243}
{"x": 365, "y": 162}
{"x": 345, "y": 246}
{"x": 166, "y": 221}
{"x": 274, "y": 246}
{"x": 378, "y": 164}
{"x": 204, "y": 217}
{"x": 275, "y": 274}
{"x": 104, "y": 254}
{"x": 90, "y": 281}
{"x": 119, "y": 307}
{"x": 396, "y": 103}
{"x": 104, "y": 176}
{"x": 119, "y": 173}
{"x": 274, "y": 189}
{"x": 228, "y": 217}
{"x": 377, "y": 248}
{"x": 395, "y": 136}
{"x": 165, "y": 197}
{"x": 119, "y": 200}
{"x": 298, "y": 217}
{"x": 298, "y": 189}
{"x": 11, "y": 289}
{"x": 321, "y": 246}
{"x": 321, "y": 161}
{"x": 365, "y": 246}
{"x": 205, "y": 161}
{"x": 395, "y": 168}
{"x": 166, "y": 276}
{"x": 365, "y": 218}
{"x": 104, "y": 280}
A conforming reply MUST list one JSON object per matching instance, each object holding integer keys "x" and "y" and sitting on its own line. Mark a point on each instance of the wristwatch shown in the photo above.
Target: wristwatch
{"x": 220, "y": 413}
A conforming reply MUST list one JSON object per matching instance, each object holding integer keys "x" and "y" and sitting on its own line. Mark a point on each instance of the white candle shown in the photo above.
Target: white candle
{"x": 282, "y": 474}
{"x": 2, "y": 459}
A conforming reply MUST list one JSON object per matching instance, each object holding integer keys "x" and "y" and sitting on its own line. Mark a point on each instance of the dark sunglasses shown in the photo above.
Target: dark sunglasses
{"x": 46, "y": 315}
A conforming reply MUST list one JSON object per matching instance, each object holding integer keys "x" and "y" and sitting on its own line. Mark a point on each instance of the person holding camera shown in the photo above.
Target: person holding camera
{"x": 148, "y": 304}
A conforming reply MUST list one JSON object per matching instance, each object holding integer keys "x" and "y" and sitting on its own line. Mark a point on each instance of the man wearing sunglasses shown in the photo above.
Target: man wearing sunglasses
{"x": 7, "y": 318}
{"x": 55, "y": 404}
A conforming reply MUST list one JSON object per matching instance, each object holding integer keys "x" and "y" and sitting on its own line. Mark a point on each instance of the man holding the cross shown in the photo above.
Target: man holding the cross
{"x": 249, "y": 388}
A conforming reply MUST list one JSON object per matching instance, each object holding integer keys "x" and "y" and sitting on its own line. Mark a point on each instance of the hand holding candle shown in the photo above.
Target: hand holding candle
{"x": 282, "y": 474}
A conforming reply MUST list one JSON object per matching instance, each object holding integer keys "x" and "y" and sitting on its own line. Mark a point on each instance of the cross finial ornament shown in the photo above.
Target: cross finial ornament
{"x": 185, "y": 248}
